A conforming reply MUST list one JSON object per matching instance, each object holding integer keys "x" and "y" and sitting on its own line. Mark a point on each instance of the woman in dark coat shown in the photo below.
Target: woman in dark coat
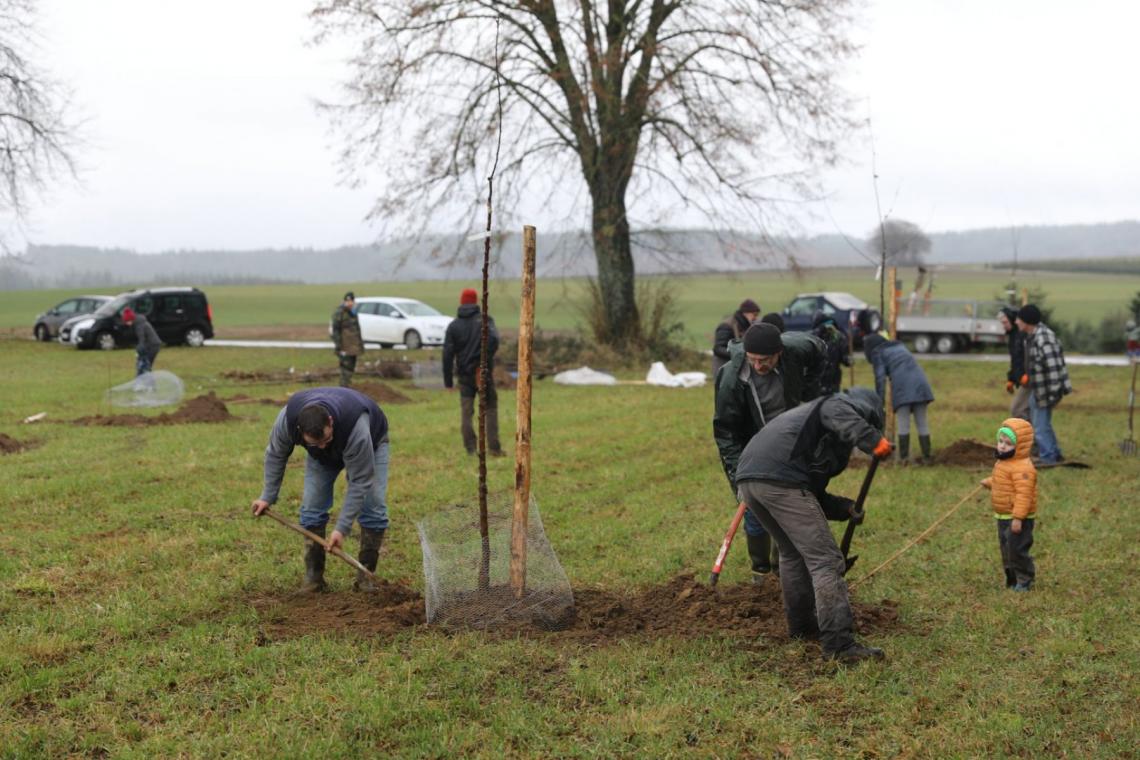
{"x": 1015, "y": 341}
{"x": 910, "y": 390}
{"x": 732, "y": 329}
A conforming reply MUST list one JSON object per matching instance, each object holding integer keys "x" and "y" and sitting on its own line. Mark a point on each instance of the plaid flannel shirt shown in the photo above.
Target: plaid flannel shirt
{"x": 1048, "y": 375}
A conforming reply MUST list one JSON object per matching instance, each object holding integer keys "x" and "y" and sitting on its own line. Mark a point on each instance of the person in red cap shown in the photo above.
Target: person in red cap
{"x": 461, "y": 351}
{"x": 147, "y": 342}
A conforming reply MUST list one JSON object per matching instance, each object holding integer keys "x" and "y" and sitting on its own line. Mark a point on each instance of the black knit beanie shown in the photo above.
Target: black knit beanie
{"x": 763, "y": 339}
{"x": 1029, "y": 314}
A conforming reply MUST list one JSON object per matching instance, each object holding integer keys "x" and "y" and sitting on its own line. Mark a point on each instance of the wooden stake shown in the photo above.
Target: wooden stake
{"x": 522, "y": 436}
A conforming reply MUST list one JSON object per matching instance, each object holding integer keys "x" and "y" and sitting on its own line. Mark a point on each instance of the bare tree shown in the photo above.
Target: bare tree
{"x": 900, "y": 242}
{"x": 707, "y": 105}
{"x": 36, "y": 139}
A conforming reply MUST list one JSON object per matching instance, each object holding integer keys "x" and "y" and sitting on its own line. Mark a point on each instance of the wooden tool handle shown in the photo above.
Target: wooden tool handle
{"x": 337, "y": 552}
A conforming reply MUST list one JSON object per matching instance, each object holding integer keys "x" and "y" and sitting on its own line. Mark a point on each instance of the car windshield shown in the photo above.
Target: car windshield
{"x": 112, "y": 306}
{"x": 415, "y": 309}
{"x": 845, "y": 301}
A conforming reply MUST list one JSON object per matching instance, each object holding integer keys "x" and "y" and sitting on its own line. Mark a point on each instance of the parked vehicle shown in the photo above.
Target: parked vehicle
{"x": 178, "y": 315}
{"x": 392, "y": 321}
{"x": 47, "y": 324}
{"x": 950, "y": 325}
{"x": 852, "y": 315}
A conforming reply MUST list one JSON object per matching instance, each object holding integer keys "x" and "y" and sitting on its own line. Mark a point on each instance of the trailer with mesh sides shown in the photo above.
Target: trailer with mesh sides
{"x": 948, "y": 325}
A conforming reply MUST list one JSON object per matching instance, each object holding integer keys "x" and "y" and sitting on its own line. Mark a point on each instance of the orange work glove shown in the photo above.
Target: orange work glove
{"x": 882, "y": 449}
{"x": 1009, "y": 386}
{"x": 1024, "y": 380}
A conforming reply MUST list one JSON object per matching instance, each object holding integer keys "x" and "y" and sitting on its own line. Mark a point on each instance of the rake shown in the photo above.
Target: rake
{"x": 1128, "y": 445}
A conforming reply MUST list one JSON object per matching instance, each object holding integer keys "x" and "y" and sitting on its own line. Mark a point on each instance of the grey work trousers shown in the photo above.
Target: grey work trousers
{"x": 811, "y": 565}
{"x": 903, "y": 415}
{"x": 1019, "y": 407}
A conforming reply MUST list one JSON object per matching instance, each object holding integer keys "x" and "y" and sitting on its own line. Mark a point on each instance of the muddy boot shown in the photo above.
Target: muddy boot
{"x": 855, "y": 654}
{"x": 314, "y": 564}
{"x": 904, "y": 448}
{"x": 760, "y": 551}
{"x": 1010, "y": 578}
{"x": 924, "y": 444}
{"x": 370, "y": 541}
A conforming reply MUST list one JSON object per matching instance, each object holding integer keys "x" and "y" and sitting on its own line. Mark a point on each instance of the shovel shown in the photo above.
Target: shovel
{"x": 337, "y": 552}
{"x": 857, "y": 515}
{"x": 719, "y": 563}
{"x": 1128, "y": 445}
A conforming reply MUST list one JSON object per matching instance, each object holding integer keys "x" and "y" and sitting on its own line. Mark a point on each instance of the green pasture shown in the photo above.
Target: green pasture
{"x": 703, "y": 300}
{"x": 128, "y": 566}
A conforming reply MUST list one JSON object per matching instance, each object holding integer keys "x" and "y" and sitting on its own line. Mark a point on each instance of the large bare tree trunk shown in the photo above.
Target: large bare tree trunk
{"x": 615, "y": 270}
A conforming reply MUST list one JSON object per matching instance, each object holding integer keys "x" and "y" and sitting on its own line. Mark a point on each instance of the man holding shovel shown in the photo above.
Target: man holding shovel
{"x": 782, "y": 476}
{"x": 767, "y": 373}
{"x": 341, "y": 429}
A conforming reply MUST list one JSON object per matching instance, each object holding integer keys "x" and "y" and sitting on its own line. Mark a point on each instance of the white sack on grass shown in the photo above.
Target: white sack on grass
{"x": 158, "y": 388}
{"x": 658, "y": 375}
{"x": 584, "y": 376}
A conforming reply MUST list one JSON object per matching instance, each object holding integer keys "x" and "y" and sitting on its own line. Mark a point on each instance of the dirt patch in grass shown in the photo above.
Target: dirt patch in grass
{"x": 681, "y": 608}
{"x": 241, "y": 398}
{"x": 965, "y": 453}
{"x": 9, "y": 445}
{"x": 382, "y": 394}
{"x": 208, "y": 408}
{"x": 387, "y": 369}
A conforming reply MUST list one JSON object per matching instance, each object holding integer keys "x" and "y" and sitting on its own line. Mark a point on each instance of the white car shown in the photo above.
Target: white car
{"x": 392, "y": 321}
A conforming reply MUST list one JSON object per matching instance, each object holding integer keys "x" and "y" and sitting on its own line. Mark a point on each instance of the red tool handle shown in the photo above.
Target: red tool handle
{"x": 715, "y": 576}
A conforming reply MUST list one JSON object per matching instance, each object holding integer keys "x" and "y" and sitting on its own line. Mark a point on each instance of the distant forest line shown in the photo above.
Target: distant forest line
{"x": 1108, "y": 248}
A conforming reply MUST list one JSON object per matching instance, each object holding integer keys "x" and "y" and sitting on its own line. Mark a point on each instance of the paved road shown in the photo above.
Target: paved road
{"x": 1108, "y": 360}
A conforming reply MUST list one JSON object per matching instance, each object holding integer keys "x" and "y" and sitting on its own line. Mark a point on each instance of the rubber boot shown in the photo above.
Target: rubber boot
{"x": 760, "y": 552}
{"x": 370, "y": 541}
{"x": 466, "y": 412}
{"x": 904, "y": 448}
{"x": 314, "y": 564}
{"x": 1010, "y": 578}
{"x": 924, "y": 444}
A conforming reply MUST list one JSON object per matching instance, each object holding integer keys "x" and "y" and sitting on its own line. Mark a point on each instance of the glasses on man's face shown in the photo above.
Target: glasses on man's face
{"x": 324, "y": 441}
{"x": 762, "y": 363}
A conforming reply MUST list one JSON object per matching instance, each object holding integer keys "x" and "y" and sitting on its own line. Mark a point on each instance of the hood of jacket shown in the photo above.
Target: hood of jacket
{"x": 1024, "y": 432}
{"x": 870, "y": 408}
{"x": 871, "y": 343}
{"x": 468, "y": 310}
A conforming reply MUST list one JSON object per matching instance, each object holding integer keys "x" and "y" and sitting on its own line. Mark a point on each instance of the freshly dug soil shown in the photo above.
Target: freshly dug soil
{"x": 964, "y": 452}
{"x": 389, "y": 370}
{"x": 208, "y": 408}
{"x": 381, "y": 394}
{"x": 9, "y": 445}
{"x": 241, "y": 398}
{"x": 681, "y": 608}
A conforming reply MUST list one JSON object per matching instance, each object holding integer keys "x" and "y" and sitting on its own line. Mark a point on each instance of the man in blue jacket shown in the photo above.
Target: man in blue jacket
{"x": 341, "y": 429}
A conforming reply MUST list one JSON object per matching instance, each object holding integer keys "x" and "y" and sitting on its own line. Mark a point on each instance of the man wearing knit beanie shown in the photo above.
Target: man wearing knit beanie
{"x": 732, "y": 329}
{"x": 1047, "y": 378}
{"x": 768, "y": 373}
{"x": 462, "y": 347}
{"x": 347, "y": 338}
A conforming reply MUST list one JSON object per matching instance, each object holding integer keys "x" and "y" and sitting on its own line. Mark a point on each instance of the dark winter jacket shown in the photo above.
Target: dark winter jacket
{"x": 148, "y": 341}
{"x": 1015, "y": 342}
{"x": 811, "y": 444}
{"x": 838, "y": 356}
{"x": 738, "y": 416}
{"x": 461, "y": 344}
{"x": 890, "y": 358}
{"x": 346, "y": 332}
{"x": 729, "y": 330}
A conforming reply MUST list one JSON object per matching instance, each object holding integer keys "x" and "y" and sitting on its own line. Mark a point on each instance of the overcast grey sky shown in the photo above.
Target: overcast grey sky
{"x": 201, "y": 130}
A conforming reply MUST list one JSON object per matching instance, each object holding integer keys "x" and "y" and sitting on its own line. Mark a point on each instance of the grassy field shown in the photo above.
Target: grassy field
{"x": 133, "y": 587}
{"x": 704, "y": 299}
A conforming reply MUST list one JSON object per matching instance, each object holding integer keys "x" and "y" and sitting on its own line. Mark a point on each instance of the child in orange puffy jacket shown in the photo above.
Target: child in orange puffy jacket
{"x": 1014, "y": 496}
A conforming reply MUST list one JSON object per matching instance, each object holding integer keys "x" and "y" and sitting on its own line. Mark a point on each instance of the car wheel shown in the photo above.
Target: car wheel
{"x": 947, "y": 344}
{"x": 923, "y": 343}
{"x": 42, "y": 333}
{"x": 194, "y": 337}
{"x": 105, "y": 341}
{"x": 412, "y": 340}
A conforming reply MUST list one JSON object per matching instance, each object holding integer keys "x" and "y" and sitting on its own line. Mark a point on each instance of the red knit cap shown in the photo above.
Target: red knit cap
{"x": 468, "y": 296}
{"x": 128, "y": 315}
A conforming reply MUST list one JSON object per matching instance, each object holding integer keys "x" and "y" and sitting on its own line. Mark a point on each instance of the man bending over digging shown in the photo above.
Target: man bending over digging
{"x": 342, "y": 429}
{"x": 783, "y": 476}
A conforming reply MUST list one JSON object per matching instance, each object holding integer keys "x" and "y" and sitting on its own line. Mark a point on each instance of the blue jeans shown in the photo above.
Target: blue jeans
{"x": 317, "y": 499}
{"x": 144, "y": 362}
{"x": 1041, "y": 417}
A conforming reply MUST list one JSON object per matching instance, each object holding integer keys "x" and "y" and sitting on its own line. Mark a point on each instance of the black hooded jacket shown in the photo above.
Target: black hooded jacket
{"x": 461, "y": 344}
{"x": 1015, "y": 341}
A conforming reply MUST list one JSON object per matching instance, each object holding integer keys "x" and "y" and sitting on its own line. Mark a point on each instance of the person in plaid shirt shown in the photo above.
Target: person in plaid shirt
{"x": 1047, "y": 377}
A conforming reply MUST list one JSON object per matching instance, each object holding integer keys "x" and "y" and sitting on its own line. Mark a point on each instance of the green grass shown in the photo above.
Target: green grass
{"x": 128, "y": 565}
{"x": 704, "y": 299}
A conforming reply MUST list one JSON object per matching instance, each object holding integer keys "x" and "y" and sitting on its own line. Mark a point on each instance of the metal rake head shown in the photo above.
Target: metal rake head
{"x": 1128, "y": 447}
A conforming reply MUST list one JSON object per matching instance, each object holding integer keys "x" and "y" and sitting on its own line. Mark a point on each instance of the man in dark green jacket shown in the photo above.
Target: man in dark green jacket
{"x": 346, "y": 337}
{"x": 768, "y": 372}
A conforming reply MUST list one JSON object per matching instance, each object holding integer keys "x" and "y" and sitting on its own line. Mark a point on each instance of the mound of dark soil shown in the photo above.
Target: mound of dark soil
{"x": 681, "y": 608}
{"x": 965, "y": 452}
{"x": 208, "y": 408}
{"x": 9, "y": 445}
{"x": 389, "y": 370}
{"x": 241, "y": 398}
{"x": 381, "y": 394}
